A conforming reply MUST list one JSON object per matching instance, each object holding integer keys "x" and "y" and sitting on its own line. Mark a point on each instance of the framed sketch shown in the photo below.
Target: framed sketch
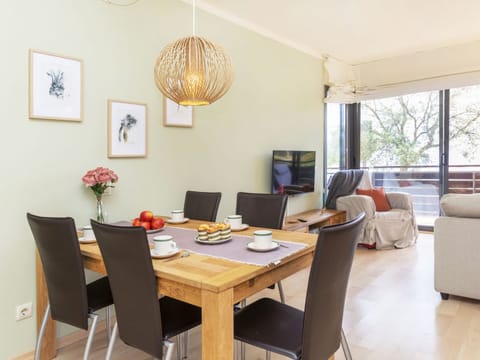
{"x": 55, "y": 87}
{"x": 127, "y": 129}
{"x": 176, "y": 115}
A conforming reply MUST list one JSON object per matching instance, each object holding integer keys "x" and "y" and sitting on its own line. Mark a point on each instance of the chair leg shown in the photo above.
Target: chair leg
{"x": 91, "y": 334}
{"x": 280, "y": 290}
{"x": 108, "y": 323}
{"x": 185, "y": 345}
{"x": 170, "y": 346}
{"x": 345, "y": 347}
{"x": 268, "y": 355}
{"x": 41, "y": 333}
{"x": 243, "y": 303}
{"x": 179, "y": 342}
{"x": 111, "y": 343}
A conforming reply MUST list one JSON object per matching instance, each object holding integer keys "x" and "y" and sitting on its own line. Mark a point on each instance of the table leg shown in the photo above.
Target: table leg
{"x": 217, "y": 325}
{"x": 49, "y": 346}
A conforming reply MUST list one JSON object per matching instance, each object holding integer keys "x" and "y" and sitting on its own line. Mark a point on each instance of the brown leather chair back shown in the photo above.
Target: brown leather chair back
{"x": 127, "y": 258}
{"x": 327, "y": 287}
{"x": 201, "y": 205}
{"x": 59, "y": 251}
{"x": 262, "y": 210}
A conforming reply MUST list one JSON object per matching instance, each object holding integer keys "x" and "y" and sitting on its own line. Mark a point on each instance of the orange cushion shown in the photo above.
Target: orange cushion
{"x": 379, "y": 198}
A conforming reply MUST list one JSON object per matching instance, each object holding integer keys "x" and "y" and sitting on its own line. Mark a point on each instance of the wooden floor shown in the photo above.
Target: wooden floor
{"x": 392, "y": 312}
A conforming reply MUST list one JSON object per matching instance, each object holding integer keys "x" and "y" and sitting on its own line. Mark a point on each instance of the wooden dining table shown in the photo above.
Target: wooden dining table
{"x": 214, "y": 284}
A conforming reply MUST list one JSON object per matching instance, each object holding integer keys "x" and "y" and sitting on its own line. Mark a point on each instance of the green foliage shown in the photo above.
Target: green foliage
{"x": 405, "y": 130}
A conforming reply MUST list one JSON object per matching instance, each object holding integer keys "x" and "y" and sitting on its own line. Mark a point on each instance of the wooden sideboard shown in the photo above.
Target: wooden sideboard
{"x": 313, "y": 219}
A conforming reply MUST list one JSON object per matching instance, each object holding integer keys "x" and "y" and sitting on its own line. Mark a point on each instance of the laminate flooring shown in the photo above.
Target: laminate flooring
{"x": 392, "y": 312}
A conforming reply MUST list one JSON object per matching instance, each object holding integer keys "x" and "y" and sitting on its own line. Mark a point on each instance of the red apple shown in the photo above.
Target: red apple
{"x": 157, "y": 222}
{"x": 146, "y": 215}
{"x": 136, "y": 222}
{"x": 146, "y": 225}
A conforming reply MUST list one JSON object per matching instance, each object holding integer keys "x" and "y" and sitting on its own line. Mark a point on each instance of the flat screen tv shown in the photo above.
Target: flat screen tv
{"x": 293, "y": 172}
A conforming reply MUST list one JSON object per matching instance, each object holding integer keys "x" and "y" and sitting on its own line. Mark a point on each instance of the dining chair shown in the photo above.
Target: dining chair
{"x": 200, "y": 205}
{"x": 314, "y": 333}
{"x": 143, "y": 320}
{"x": 70, "y": 299}
{"x": 263, "y": 210}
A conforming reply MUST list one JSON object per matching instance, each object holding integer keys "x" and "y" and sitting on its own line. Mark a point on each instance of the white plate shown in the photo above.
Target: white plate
{"x": 241, "y": 228}
{"x": 253, "y": 246}
{"x": 163, "y": 256}
{"x": 156, "y": 230}
{"x": 170, "y": 221}
{"x": 221, "y": 241}
{"x": 86, "y": 241}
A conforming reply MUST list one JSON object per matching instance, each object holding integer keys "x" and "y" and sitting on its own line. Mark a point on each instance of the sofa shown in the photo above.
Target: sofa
{"x": 457, "y": 246}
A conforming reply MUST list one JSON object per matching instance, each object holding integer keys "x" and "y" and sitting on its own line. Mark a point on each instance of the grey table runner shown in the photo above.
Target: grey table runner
{"x": 235, "y": 250}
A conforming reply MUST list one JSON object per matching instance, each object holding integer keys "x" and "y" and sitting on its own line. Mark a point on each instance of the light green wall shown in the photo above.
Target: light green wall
{"x": 274, "y": 103}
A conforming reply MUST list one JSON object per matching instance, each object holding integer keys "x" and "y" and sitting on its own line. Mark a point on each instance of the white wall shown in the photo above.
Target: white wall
{"x": 437, "y": 69}
{"x": 421, "y": 65}
{"x": 274, "y": 103}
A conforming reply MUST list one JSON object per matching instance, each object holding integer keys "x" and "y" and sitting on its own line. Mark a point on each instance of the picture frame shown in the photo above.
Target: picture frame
{"x": 177, "y": 115}
{"x": 127, "y": 129}
{"x": 55, "y": 87}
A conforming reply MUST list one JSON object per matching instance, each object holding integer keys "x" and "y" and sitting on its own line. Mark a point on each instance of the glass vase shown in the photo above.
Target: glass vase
{"x": 100, "y": 212}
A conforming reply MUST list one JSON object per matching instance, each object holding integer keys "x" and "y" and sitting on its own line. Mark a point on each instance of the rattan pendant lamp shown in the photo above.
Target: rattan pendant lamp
{"x": 193, "y": 70}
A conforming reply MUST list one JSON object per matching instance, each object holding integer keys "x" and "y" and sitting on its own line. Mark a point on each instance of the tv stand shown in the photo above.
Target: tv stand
{"x": 310, "y": 220}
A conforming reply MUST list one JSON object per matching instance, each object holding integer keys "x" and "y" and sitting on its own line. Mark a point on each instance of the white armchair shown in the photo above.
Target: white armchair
{"x": 396, "y": 228}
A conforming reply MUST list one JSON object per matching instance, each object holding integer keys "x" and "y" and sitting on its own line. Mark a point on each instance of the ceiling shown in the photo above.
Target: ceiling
{"x": 356, "y": 31}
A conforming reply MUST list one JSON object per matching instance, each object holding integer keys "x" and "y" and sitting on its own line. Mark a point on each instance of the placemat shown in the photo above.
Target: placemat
{"x": 235, "y": 250}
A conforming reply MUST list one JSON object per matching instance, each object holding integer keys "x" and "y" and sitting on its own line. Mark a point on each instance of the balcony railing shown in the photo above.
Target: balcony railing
{"x": 423, "y": 183}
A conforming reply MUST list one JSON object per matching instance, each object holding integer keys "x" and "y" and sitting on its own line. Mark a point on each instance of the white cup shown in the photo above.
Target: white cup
{"x": 235, "y": 221}
{"x": 262, "y": 239}
{"x": 164, "y": 244}
{"x": 88, "y": 233}
{"x": 176, "y": 215}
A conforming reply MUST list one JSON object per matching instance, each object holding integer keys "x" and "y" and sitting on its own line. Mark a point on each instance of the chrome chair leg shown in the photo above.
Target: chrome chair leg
{"x": 170, "y": 346}
{"x": 243, "y": 303}
{"x": 185, "y": 345}
{"x": 242, "y": 351}
{"x": 280, "y": 290}
{"x": 268, "y": 355}
{"x": 108, "y": 323}
{"x": 42, "y": 332}
{"x": 111, "y": 343}
{"x": 179, "y": 342}
{"x": 91, "y": 334}
{"x": 345, "y": 347}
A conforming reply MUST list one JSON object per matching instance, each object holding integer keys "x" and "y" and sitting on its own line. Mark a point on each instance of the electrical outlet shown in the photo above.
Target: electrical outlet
{"x": 23, "y": 311}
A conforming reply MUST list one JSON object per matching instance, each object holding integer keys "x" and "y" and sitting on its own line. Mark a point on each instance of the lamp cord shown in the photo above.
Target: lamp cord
{"x": 193, "y": 21}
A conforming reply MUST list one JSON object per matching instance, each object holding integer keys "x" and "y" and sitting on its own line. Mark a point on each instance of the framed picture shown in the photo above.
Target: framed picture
{"x": 55, "y": 87}
{"x": 127, "y": 129}
{"x": 176, "y": 115}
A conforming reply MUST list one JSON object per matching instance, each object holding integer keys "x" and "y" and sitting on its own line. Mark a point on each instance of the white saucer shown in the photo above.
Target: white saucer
{"x": 221, "y": 241}
{"x": 154, "y": 231}
{"x": 86, "y": 241}
{"x": 163, "y": 256}
{"x": 253, "y": 246}
{"x": 241, "y": 228}
{"x": 184, "y": 220}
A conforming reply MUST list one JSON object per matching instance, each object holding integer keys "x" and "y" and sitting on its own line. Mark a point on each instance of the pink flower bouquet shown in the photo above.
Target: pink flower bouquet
{"x": 99, "y": 180}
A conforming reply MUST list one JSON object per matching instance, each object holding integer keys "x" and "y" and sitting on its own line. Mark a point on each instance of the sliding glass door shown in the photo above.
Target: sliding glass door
{"x": 464, "y": 140}
{"x": 426, "y": 144}
{"x": 399, "y": 145}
